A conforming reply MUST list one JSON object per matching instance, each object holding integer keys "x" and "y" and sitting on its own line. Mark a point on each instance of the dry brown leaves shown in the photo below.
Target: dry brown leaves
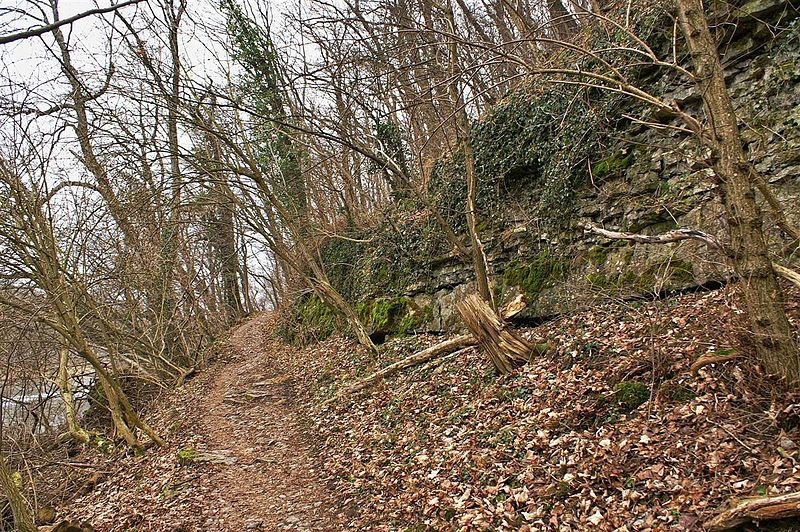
{"x": 452, "y": 446}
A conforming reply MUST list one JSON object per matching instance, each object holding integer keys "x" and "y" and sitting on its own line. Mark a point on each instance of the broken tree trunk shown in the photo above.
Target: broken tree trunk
{"x": 749, "y": 509}
{"x": 417, "y": 358}
{"x": 505, "y": 348}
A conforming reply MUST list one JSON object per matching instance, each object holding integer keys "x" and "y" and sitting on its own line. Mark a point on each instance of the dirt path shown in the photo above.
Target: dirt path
{"x": 267, "y": 480}
{"x": 238, "y": 457}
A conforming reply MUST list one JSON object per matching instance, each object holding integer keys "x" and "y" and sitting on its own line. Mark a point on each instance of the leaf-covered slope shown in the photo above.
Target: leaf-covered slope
{"x": 612, "y": 430}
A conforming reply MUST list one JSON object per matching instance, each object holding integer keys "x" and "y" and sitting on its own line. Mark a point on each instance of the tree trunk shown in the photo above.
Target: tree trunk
{"x": 227, "y": 254}
{"x": 562, "y": 23}
{"x": 77, "y": 432}
{"x": 755, "y": 509}
{"x": 479, "y": 261}
{"x": 505, "y": 348}
{"x": 23, "y": 517}
{"x": 761, "y": 294}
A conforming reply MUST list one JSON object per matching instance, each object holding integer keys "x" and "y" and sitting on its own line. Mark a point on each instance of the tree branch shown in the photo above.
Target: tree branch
{"x": 41, "y": 30}
{"x": 684, "y": 234}
{"x": 672, "y": 236}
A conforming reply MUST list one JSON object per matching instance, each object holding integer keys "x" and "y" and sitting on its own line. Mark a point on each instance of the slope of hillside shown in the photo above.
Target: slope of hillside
{"x": 610, "y": 432}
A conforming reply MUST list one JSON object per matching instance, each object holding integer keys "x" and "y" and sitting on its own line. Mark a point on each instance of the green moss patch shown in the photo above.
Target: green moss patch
{"x": 534, "y": 275}
{"x": 613, "y": 165}
{"x": 629, "y": 395}
{"x": 187, "y": 456}
{"x": 311, "y": 320}
{"x": 391, "y": 315}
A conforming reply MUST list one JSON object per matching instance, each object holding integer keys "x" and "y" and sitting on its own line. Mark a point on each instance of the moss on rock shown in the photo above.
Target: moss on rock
{"x": 391, "y": 315}
{"x": 613, "y": 165}
{"x": 534, "y": 275}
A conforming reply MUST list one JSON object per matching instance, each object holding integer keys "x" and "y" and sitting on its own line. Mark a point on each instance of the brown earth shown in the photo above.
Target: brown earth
{"x": 239, "y": 458}
{"x": 615, "y": 429}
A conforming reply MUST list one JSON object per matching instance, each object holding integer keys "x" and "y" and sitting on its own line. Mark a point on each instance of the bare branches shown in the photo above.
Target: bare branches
{"x": 47, "y": 28}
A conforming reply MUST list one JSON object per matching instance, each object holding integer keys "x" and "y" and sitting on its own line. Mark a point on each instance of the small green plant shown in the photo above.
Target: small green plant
{"x": 101, "y": 443}
{"x": 727, "y": 351}
{"x": 629, "y": 395}
{"x": 187, "y": 456}
{"x": 590, "y": 349}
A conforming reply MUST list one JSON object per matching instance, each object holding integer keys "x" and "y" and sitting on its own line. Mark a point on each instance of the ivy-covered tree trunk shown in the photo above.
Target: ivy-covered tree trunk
{"x": 761, "y": 294}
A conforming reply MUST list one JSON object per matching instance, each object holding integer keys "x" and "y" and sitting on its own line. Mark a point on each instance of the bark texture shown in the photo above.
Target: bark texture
{"x": 505, "y": 348}
{"x": 755, "y": 509}
{"x": 761, "y": 294}
{"x": 23, "y": 517}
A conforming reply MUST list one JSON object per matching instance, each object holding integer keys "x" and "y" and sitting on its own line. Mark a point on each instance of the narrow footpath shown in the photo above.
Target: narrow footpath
{"x": 240, "y": 458}
{"x": 271, "y": 482}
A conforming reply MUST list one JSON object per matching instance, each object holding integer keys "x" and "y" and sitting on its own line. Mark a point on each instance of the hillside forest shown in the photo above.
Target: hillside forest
{"x": 399, "y": 265}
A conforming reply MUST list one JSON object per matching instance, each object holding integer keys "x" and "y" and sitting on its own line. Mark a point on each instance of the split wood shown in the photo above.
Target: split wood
{"x": 506, "y": 349}
{"x": 748, "y": 509}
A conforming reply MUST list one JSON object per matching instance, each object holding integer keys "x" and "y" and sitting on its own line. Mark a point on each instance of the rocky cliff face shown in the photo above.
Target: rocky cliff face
{"x": 615, "y": 173}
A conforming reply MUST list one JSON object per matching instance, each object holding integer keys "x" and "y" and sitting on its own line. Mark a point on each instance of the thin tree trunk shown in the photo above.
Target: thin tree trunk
{"x": 761, "y": 294}
{"x": 23, "y": 516}
{"x": 562, "y": 23}
{"x": 479, "y": 261}
{"x": 74, "y": 427}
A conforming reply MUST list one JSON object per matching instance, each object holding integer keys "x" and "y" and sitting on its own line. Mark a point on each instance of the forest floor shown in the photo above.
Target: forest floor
{"x": 239, "y": 456}
{"x": 612, "y": 430}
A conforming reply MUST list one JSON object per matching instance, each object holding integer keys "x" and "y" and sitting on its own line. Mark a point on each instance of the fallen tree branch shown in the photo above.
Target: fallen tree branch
{"x": 684, "y": 234}
{"x": 675, "y": 235}
{"x": 705, "y": 360}
{"x": 790, "y": 275}
{"x": 748, "y": 509}
{"x": 459, "y": 342}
